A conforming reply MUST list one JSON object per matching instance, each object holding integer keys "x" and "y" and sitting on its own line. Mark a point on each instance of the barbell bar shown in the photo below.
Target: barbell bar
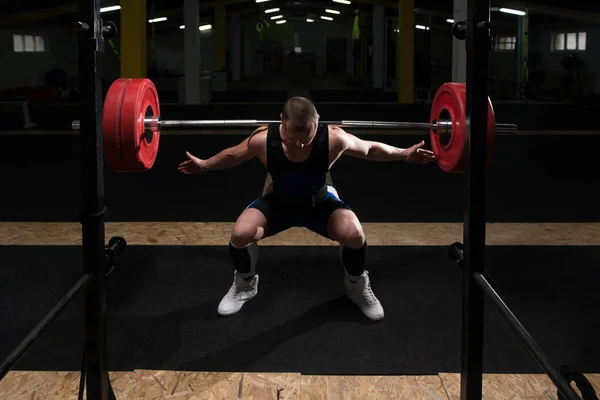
{"x": 131, "y": 125}
{"x": 439, "y": 127}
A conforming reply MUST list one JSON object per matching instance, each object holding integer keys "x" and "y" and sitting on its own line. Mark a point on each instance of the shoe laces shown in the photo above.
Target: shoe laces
{"x": 368, "y": 294}
{"x": 242, "y": 285}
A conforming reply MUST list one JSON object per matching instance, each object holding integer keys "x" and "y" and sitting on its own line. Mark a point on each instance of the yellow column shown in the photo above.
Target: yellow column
{"x": 220, "y": 37}
{"x": 406, "y": 51}
{"x": 133, "y": 39}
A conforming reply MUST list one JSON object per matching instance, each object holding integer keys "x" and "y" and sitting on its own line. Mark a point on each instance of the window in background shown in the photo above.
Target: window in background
{"x": 29, "y": 44}
{"x": 570, "y": 41}
{"x": 505, "y": 43}
{"x": 18, "y": 45}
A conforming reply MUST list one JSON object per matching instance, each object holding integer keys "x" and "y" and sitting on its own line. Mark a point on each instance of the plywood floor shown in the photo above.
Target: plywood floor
{"x": 146, "y": 385}
{"x": 378, "y": 234}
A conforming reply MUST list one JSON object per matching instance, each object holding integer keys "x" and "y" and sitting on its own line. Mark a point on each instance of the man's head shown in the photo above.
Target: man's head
{"x": 299, "y": 121}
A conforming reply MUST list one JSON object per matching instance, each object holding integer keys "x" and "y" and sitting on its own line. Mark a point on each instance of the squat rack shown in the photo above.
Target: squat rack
{"x": 476, "y": 281}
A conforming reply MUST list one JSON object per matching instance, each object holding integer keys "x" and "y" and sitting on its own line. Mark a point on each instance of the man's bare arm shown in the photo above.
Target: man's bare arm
{"x": 238, "y": 154}
{"x": 377, "y": 151}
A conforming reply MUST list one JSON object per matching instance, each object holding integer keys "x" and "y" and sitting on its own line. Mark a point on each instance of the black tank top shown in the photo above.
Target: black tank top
{"x": 298, "y": 178}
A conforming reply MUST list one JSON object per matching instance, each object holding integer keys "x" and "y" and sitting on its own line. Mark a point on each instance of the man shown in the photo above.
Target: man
{"x": 298, "y": 153}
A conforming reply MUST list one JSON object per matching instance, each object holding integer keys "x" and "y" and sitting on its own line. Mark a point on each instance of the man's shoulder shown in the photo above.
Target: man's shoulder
{"x": 336, "y": 132}
{"x": 337, "y": 138}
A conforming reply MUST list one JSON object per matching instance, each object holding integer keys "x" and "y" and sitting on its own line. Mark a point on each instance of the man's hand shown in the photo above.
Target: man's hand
{"x": 417, "y": 155}
{"x": 192, "y": 166}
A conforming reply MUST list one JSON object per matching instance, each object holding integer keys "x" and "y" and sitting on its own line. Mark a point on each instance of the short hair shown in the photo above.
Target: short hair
{"x": 299, "y": 113}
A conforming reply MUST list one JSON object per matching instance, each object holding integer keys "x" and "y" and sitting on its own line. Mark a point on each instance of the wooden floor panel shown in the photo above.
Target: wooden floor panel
{"x": 180, "y": 385}
{"x": 378, "y": 234}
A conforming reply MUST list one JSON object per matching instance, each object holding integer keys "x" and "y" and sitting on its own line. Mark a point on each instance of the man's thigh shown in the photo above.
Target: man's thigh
{"x": 319, "y": 219}
{"x": 277, "y": 220}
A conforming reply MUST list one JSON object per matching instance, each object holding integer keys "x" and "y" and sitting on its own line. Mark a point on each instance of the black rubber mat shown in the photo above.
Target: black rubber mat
{"x": 346, "y": 95}
{"x": 162, "y": 310}
{"x": 530, "y": 179}
{"x": 249, "y": 96}
{"x": 43, "y": 182}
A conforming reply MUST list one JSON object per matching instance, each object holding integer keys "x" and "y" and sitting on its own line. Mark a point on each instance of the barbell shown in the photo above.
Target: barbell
{"x": 131, "y": 125}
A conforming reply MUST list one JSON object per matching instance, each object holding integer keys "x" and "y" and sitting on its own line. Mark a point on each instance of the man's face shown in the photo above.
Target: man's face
{"x": 297, "y": 139}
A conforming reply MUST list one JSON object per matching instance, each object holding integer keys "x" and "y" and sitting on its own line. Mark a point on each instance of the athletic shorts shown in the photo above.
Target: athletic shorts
{"x": 281, "y": 216}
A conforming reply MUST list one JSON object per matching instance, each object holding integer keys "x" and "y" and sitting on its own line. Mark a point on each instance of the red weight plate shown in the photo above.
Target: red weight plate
{"x": 452, "y": 97}
{"x": 111, "y": 124}
{"x": 140, "y": 101}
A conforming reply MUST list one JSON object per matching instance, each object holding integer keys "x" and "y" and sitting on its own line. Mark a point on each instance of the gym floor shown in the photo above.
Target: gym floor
{"x": 300, "y": 334}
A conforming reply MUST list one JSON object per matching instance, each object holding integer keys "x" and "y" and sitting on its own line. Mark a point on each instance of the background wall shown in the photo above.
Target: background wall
{"x": 169, "y": 55}
{"x": 29, "y": 69}
{"x": 550, "y": 61}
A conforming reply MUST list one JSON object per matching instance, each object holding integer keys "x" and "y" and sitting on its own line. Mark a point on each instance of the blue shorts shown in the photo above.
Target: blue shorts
{"x": 281, "y": 215}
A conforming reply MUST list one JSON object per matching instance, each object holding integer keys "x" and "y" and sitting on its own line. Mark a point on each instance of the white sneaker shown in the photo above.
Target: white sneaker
{"x": 360, "y": 293}
{"x": 240, "y": 292}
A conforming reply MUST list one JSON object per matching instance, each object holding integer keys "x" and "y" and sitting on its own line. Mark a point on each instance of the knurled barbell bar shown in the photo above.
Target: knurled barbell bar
{"x": 132, "y": 124}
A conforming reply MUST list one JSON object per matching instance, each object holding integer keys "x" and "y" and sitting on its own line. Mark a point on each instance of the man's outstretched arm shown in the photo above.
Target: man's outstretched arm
{"x": 227, "y": 158}
{"x": 377, "y": 151}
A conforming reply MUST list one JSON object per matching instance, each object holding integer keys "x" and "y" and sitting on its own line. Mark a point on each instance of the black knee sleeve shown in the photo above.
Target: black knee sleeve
{"x": 244, "y": 259}
{"x": 354, "y": 260}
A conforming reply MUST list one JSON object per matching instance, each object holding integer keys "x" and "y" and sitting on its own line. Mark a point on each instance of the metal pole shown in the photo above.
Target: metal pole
{"x": 30, "y": 339}
{"x": 91, "y": 49}
{"x": 478, "y": 43}
{"x": 526, "y": 340}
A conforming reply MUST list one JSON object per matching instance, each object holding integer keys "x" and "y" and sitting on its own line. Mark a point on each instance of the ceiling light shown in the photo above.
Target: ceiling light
{"x": 271, "y": 10}
{"x": 450, "y": 20}
{"x": 261, "y": 1}
{"x": 327, "y": 18}
{"x": 201, "y": 27}
{"x": 281, "y": 22}
{"x": 420, "y": 27}
{"x": 276, "y": 16}
{"x": 511, "y": 11}
{"x": 332, "y": 11}
{"x": 111, "y": 8}
{"x": 342, "y": 1}
{"x": 310, "y": 20}
{"x": 161, "y": 19}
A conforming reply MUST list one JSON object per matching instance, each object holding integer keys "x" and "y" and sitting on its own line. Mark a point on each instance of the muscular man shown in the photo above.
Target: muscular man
{"x": 298, "y": 153}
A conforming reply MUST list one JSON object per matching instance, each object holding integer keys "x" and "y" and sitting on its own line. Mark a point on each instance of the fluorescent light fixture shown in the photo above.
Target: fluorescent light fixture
{"x": 342, "y": 1}
{"x": 161, "y": 19}
{"x": 281, "y": 22}
{"x": 201, "y": 27}
{"x": 450, "y": 20}
{"x": 332, "y": 11}
{"x": 277, "y": 16}
{"x": 271, "y": 10}
{"x": 261, "y": 1}
{"x": 310, "y": 20}
{"x": 511, "y": 11}
{"x": 420, "y": 27}
{"x": 327, "y": 18}
{"x": 110, "y": 8}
